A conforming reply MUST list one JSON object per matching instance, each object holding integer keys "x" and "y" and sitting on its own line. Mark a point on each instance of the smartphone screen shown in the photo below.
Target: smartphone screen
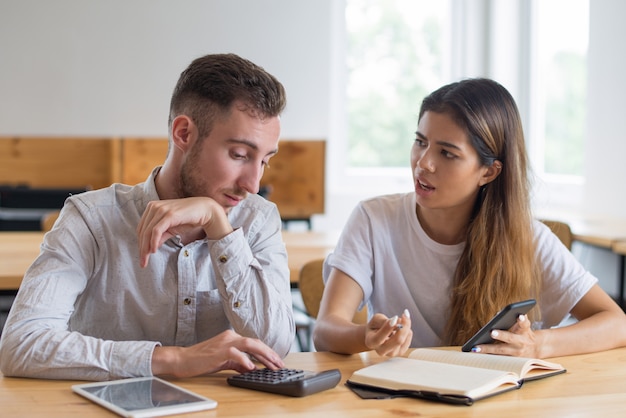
{"x": 503, "y": 320}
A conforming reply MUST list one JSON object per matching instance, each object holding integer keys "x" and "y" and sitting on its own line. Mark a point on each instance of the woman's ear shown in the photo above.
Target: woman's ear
{"x": 184, "y": 132}
{"x": 491, "y": 173}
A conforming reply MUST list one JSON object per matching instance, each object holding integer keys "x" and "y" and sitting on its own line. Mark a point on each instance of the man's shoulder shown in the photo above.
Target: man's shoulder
{"x": 114, "y": 195}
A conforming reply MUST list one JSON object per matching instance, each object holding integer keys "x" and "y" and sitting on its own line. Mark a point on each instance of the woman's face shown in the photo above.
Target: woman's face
{"x": 447, "y": 173}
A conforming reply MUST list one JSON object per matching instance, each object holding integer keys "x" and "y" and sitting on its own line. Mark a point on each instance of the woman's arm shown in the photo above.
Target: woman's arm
{"x": 601, "y": 326}
{"x": 335, "y": 331}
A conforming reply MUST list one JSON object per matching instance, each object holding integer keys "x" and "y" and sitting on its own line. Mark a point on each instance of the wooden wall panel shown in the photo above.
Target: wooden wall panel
{"x": 59, "y": 162}
{"x": 140, "y": 156}
{"x": 296, "y": 178}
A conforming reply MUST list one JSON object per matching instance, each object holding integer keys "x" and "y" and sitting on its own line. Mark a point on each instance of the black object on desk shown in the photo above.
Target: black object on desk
{"x": 23, "y": 207}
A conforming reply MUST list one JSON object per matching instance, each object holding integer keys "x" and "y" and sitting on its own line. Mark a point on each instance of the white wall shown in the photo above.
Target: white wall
{"x": 89, "y": 67}
{"x": 605, "y": 171}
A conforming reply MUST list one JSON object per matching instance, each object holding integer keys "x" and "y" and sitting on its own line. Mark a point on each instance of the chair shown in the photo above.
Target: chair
{"x": 48, "y": 220}
{"x": 311, "y": 285}
{"x": 561, "y": 230}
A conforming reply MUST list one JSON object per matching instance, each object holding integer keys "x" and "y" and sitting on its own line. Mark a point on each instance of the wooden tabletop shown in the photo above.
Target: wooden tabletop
{"x": 619, "y": 247}
{"x": 19, "y": 249}
{"x": 597, "y": 230}
{"x": 594, "y": 386}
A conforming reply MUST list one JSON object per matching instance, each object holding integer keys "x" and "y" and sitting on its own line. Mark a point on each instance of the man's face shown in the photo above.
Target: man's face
{"x": 229, "y": 163}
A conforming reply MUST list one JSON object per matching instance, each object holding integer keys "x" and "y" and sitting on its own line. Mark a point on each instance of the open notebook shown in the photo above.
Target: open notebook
{"x": 448, "y": 376}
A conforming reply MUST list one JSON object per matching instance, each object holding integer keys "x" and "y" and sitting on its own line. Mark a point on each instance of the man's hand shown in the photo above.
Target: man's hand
{"x": 226, "y": 351}
{"x": 191, "y": 216}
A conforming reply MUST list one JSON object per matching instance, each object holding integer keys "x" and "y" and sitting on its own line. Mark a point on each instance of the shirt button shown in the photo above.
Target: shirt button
{"x": 186, "y": 253}
{"x": 187, "y": 301}
{"x": 223, "y": 259}
{"x": 237, "y": 304}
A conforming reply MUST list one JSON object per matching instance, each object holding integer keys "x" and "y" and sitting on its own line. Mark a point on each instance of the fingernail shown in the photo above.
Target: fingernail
{"x": 475, "y": 349}
{"x": 522, "y": 318}
{"x": 393, "y": 321}
{"x": 494, "y": 333}
{"x": 406, "y": 313}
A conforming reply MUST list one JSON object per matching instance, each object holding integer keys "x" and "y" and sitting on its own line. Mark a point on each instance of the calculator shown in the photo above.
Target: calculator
{"x": 290, "y": 382}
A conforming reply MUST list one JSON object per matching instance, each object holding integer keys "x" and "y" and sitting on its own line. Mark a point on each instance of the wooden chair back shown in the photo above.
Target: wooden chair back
{"x": 48, "y": 220}
{"x": 311, "y": 285}
{"x": 562, "y": 230}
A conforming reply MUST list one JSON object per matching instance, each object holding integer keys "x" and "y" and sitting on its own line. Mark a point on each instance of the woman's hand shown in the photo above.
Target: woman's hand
{"x": 520, "y": 341}
{"x": 389, "y": 336}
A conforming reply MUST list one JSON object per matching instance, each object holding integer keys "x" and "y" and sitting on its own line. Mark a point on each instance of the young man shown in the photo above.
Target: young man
{"x": 185, "y": 274}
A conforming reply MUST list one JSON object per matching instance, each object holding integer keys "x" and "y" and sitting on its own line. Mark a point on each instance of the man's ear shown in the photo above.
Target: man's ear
{"x": 184, "y": 132}
{"x": 492, "y": 172}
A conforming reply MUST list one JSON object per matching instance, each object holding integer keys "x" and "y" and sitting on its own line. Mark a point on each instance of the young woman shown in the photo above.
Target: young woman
{"x": 435, "y": 264}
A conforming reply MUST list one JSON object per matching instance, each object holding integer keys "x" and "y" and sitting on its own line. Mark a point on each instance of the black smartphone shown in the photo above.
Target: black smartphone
{"x": 503, "y": 320}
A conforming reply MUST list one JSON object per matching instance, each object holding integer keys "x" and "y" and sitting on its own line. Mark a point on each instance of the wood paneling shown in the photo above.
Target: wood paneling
{"x": 295, "y": 177}
{"x": 59, "y": 162}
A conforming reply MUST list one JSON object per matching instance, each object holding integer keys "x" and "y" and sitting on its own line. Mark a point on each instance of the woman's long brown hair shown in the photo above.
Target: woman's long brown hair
{"x": 498, "y": 265}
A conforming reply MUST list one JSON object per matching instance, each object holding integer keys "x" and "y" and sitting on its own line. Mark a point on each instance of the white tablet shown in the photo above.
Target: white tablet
{"x": 143, "y": 397}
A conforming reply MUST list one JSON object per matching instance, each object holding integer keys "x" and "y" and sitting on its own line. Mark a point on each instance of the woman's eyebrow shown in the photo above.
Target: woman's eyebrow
{"x": 441, "y": 142}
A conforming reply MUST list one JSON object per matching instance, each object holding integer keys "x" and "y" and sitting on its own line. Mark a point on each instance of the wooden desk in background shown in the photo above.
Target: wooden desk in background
{"x": 592, "y": 387}
{"x": 19, "y": 249}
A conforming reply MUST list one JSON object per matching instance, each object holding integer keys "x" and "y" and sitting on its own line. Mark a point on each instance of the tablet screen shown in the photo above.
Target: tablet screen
{"x": 144, "y": 396}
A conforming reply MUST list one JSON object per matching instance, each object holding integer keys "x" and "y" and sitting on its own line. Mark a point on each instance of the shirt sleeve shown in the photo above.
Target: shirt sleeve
{"x": 37, "y": 340}
{"x": 565, "y": 279}
{"x": 253, "y": 281}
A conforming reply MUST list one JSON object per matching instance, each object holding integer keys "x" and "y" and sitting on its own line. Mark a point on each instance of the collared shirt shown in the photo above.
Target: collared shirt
{"x": 87, "y": 310}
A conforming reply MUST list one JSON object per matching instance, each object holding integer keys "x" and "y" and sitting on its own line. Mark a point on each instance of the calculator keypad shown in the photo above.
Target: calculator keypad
{"x": 270, "y": 376}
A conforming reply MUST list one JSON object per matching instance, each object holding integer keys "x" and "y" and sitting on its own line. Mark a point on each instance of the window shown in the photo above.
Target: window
{"x": 390, "y": 53}
{"x": 558, "y": 86}
{"x": 396, "y": 55}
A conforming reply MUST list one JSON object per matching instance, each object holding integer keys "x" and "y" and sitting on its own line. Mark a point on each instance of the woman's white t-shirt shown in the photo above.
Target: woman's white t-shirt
{"x": 385, "y": 250}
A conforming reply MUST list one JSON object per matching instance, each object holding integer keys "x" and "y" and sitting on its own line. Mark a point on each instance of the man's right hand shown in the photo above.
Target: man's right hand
{"x": 226, "y": 351}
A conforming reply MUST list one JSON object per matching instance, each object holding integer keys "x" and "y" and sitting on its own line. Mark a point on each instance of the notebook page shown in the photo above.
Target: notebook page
{"x": 484, "y": 361}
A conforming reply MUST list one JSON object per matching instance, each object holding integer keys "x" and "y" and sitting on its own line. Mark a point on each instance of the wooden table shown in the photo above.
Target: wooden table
{"x": 594, "y": 386}
{"x": 19, "y": 249}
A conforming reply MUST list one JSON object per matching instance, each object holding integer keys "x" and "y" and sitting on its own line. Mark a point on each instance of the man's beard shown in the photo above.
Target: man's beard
{"x": 192, "y": 186}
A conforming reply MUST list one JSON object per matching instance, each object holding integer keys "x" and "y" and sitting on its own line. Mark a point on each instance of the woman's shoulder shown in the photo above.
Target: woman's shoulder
{"x": 387, "y": 201}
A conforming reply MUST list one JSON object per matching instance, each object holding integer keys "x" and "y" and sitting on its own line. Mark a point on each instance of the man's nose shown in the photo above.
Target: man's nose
{"x": 250, "y": 179}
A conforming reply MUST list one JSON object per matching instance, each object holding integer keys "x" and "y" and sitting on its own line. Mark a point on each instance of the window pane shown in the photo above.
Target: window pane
{"x": 561, "y": 46}
{"x": 396, "y": 51}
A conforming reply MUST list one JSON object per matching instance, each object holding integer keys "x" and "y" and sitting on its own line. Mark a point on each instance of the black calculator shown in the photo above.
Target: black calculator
{"x": 290, "y": 382}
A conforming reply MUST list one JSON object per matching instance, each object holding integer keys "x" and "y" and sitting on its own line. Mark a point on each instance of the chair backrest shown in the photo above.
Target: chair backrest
{"x": 561, "y": 230}
{"x": 311, "y": 285}
{"x": 48, "y": 220}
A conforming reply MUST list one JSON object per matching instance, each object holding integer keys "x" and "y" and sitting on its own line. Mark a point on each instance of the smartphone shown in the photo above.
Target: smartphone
{"x": 503, "y": 320}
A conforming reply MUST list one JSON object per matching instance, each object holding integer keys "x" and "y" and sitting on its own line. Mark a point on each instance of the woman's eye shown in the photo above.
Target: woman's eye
{"x": 420, "y": 142}
{"x": 447, "y": 154}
